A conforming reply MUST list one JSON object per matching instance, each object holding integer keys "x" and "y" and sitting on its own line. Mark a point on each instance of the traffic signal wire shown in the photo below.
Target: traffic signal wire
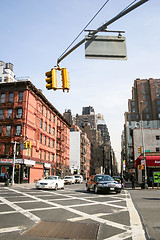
{"x": 84, "y": 28}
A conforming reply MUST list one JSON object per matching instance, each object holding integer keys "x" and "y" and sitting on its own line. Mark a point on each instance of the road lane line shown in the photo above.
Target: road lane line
{"x": 21, "y": 210}
{"x": 121, "y": 236}
{"x": 136, "y": 226}
{"x": 10, "y": 229}
{"x": 82, "y": 214}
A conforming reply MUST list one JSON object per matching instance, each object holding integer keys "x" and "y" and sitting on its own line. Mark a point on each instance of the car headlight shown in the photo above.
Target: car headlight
{"x": 37, "y": 183}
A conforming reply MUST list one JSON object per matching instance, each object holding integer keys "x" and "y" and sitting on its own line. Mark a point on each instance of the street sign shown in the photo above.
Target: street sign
{"x": 105, "y": 47}
{"x": 147, "y": 150}
{"x": 156, "y": 177}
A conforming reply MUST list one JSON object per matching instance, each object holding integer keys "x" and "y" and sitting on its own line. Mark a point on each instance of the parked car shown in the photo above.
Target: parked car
{"x": 69, "y": 180}
{"x": 117, "y": 178}
{"x": 51, "y": 182}
{"x": 78, "y": 178}
{"x": 103, "y": 183}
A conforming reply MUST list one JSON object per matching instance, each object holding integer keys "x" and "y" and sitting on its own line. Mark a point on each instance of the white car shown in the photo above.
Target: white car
{"x": 78, "y": 178}
{"x": 69, "y": 180}
{"x": 52, "y": 182}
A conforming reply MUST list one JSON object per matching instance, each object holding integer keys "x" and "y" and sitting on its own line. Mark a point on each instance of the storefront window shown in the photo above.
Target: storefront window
{"x": 3, "y": 95}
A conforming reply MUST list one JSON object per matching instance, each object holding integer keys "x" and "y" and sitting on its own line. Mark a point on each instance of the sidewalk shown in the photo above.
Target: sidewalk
{"x": 23, "y": 185}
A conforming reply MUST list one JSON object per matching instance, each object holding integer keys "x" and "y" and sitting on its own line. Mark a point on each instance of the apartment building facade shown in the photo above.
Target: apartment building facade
{"x": 26, "y": 115}
{"x": 143, "y": 110}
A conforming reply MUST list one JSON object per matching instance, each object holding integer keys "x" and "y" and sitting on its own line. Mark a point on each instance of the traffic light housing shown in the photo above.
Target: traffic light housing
{"x": 65, "y": 79}
{"x": 51, "y": 79}
{"x": 25, "y": 145}
{"x": 139, "y": 150}
{"x": 30, "y": 144}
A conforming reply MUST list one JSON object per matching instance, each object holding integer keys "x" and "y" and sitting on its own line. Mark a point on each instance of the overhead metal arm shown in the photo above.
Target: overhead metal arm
{"x": 102, "y": 28}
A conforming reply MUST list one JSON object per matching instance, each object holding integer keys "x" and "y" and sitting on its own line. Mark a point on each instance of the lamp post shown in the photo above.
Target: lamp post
{"x": 13, "y": 163}
{"x": 143, "y": 147}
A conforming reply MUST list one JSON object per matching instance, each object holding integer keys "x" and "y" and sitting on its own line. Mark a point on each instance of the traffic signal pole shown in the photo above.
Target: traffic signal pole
{"x": 102, "y": 28}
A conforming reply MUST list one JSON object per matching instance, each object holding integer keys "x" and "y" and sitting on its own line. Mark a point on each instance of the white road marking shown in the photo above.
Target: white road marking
{"x": 10, "y": 229}
{"x": 82, "y": 214}
{"x": 21, "y": 210}
{"x": 136, "y": 226}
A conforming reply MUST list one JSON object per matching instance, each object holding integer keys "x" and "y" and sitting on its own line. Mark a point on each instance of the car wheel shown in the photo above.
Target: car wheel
{"x": 118, "y": 191}
{"x": 56, "y": 187}
{"x": 96, "y": 189}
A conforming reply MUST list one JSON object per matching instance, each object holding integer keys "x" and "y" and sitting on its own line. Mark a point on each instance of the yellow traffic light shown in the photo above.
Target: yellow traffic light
{"x": 139, "y": 150}
{"x": 25, "y": 145}
{"x": 65, "y": 79}
{"x": 30, "y": 144}
{"x": 51, "y": 79}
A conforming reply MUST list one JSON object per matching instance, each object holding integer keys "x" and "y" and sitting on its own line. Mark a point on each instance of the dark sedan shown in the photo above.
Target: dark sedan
{"x": 103, "y": 183}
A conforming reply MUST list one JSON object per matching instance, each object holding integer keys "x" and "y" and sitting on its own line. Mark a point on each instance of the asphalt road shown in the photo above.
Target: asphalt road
{"x": 147, "y": 203}
{"x": 27, "y": 213}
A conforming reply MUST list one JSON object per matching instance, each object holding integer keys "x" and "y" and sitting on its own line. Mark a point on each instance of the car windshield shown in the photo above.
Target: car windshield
{"x": 103, "y": 178}
{"x": 68, "y": 177}
{"x": 52, "y": 178}
{"x": 77, "y": 176}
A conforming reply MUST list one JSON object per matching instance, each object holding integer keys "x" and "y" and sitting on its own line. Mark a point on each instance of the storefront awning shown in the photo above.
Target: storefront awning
{"x": 151, "y": 161}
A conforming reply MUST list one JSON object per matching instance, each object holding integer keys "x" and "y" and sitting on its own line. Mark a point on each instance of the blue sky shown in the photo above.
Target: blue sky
{"x": 34, "y": 33}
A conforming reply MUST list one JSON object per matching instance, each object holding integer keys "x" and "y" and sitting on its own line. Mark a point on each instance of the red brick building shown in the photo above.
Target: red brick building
{"x": 26, "y": 115}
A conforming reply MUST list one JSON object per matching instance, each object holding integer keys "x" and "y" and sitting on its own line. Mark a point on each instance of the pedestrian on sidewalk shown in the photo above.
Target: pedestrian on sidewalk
{"x": 133, "y": 180}
{"x": 6, "y": 179}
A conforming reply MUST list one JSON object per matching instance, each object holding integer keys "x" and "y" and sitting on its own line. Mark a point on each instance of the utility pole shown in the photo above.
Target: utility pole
{"x": 13, "y": 163}
{"x": 143, "y": 147}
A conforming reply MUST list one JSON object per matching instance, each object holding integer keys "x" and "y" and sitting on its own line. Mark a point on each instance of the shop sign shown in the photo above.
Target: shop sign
{"x": 47, "y": 165}
{"x": 156, "y": 177}
{"x": 6, "y": 160}
{"x": 29, "y": 162}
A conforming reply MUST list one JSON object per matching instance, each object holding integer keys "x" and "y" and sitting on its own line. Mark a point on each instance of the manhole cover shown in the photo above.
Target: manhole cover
{"x": 65, "y": 230}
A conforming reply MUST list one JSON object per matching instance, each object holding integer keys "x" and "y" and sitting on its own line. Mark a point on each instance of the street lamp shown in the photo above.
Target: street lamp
{"x": 143, "y": 147}
{"x": 13, "y": 164}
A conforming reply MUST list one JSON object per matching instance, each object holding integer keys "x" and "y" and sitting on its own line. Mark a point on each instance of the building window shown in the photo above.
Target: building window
{"x": 147, "y": 109}
{"x": 158, "y": 95}
{"x": 144, "y": 96}
{"x": 9, "y": 113}
{"x": 48, "y": 156}
{"x": 158, "y": 102}
{"x": 48, "y": 142}
{"x": 143, "y": 90}
{"x": 50, "y": 116}
{"x": 49, "y": 128}
{"x": 157, "y": 149}
{"x": 11, "y": 97}
{"x": 53, "y": 119}
{"x": 41, "y": 138}
{"x": 19, "y": 112}
{"x": 8, "y": 130}
{"x": 158, "y": 109}
{"x": 18, "y": 130}
{"x": 0, "y": 79}
{"x": 40, "y": 154}
{"x": 137, "y": 116}
{"x": 157, "y": 90}
{"x": 42, "y": 109}
{"x": 3, "y": 96}
{"x": 1, "y": 114}
{"x": 0, "y": 130}
{"x": 53, "y": 143}
{"x": 45, "y": 126}
{"x": 44, "y": 155}
{"x": 46, "y": 113}
{"x": 158, "y": 115}
{"x": 52, "y": 157}
{"x": 146, "y": 103}
{"x": 133, "y": 109}
{"x": 157, "y": 137}
{"x": 41, "y": 123}
{"x": 45, "y": 140}
{"x": 53, "y": 131}
{"x": 147, "y": 116}
{"x": 20, "y": 99}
